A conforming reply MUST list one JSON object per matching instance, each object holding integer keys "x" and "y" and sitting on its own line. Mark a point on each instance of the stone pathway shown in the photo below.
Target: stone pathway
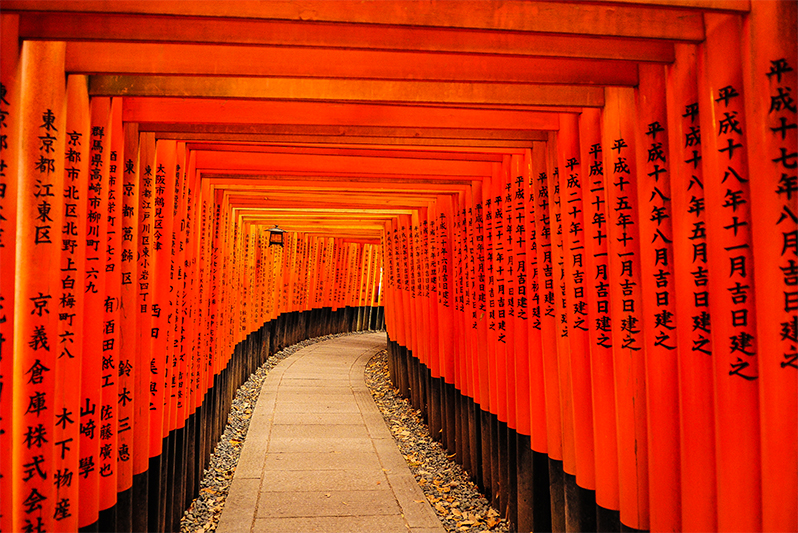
{"x": 318, "y": 455}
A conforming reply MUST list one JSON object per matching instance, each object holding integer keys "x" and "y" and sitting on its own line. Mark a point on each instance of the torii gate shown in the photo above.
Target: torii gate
{"x": 580, "y": 219}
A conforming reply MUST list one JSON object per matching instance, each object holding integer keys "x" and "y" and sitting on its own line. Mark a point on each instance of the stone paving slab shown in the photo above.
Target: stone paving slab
{"x": 277, "y": 445}
{"x": 317, "y": 407}
{"x": 312, "y": 419}
{"x": 310, "y": 480}
{"x": 318, "y": 455}
{"x": 316, "y": 431}
{"x": 319, "y": 462}
{"x": 325, "y": 524}
{"x": 330, "y": 503}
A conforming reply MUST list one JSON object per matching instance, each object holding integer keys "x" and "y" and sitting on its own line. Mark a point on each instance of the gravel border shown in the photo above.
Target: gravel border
{"x": 456, "y": 500}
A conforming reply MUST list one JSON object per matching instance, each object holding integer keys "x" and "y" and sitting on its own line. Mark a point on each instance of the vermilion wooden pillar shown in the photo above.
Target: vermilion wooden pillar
{"x": 180, "y": 307}
{"x": 659, "y": 304}
{"x": 39, "y": 178}
{"x": 731, "y": 276}
{"x": 133, "y": 442}
{"x": 445, "y": 290}
{"x": 621, "y": 178}
{"x": 770, "y": 76}
{"x": 111, "y": 361}
{"x": 504, "y": 268}
{"x": 93, "y": 376}
{"x": 597, "y": 275}
{"x": 471, "y": 322}
{"x": 160, "y": 309}
{"x": 434, "y": 340}
{"x": 693, "y": 324}
{"x": 545, "y": 266}
{"x": 10, "y": 110}
{"x": 496, "y": 350}
{"x": 70, "y": 299}
{"x": 480, "y": 306}
{"x": 560, "y": 307}
{"x": 534, "y": 303}
{"x": 144, "y": 399}
{"x": 415, "y": 245}
{"x": 517, "y": 222}
{"x": 573, "y": 238}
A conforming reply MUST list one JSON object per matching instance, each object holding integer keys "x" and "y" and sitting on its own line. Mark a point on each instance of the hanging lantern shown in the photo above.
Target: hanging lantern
{"x": 276, "y": 236}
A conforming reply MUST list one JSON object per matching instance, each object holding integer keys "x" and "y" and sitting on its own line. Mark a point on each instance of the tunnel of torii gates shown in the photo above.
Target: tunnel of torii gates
{"x": 578, "y": 217}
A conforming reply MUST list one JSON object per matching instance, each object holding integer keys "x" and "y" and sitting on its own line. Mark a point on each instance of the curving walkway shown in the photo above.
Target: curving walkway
{"x": 318, "y": 455}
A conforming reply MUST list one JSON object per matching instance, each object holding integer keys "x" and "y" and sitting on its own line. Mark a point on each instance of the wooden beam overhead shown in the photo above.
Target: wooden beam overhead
{"x": 288, "y": 185}
{"x": 345, "y": 90}
{"x": 236, "y": 113}
{"x": 167, "y": 29}
{"x": 278, "y": 163}
{"x": 620, "y": 20}
{"x": 292, "y": 62}
{"x": 343, "y": 133}
{"x": 739, "y": 6}
{"x": 373, "y": 152}
{"x": 477, "y": 144}
{"x": 343, "y": 177}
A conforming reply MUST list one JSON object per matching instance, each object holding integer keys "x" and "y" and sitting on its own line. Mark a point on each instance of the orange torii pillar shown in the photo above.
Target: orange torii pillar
{"x": 658, "y": 293}
{"x": 696, "y": 428}
{"x": 133, "y": 444}
{"x": 770, "y": 75}
{"x": 621, "y": 178}
{"x": 537, "y": 465}
{"x": 479, "y": 328}
{"x": 471, "y": 334}
{"x": 10, "y": 111}
{"x": 457, "y": 346}
{"x": 497, "y": 400}
{"x": 40, "y": 177}
{"x": 92, "y": 380}
{"x": 562, "y": 349}
{"x": 143, "y": 466}
{"x": 731, "y": 286}
{"x": 70, "y": 302}
{"x": 548, "y": 338}
{"x": 596, "y": 221}
{"x": 469, "y": 343}
{"x": 579, "y": 502}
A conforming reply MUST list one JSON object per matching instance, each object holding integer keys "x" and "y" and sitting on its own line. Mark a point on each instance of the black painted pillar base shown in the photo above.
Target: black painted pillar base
{"x": 154, "y": 493}
{"x": 485, "y": 480}
{"x": 140, "y": 494}
{"x": 449, "y": 424}
{"x": 504, "y": 469}
{"x": 124, "y": 510}
{"x": 512, "y": 478}
{"x": 607, "y": 520}
{"x": 474, "y": 439}
{"x": 495, "y": 467}
{"x": 557, "y": 495}
{"x": 435, "y": 405}
{"x": 580, "y": 506}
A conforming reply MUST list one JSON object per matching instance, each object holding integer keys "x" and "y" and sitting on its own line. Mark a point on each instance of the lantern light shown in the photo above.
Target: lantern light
{"x": 276, "y": 236}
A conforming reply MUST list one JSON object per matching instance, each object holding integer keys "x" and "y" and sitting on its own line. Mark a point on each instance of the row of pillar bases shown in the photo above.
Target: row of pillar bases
{"x": 529, "y": 489}
{"x": 160, "y": 495}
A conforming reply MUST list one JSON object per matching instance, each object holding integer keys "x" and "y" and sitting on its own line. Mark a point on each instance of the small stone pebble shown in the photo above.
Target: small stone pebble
{"x": 456, "y": 500}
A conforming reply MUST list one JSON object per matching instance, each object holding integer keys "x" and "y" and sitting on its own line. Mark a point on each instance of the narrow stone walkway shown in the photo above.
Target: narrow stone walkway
{"x": 318, "y": 455}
